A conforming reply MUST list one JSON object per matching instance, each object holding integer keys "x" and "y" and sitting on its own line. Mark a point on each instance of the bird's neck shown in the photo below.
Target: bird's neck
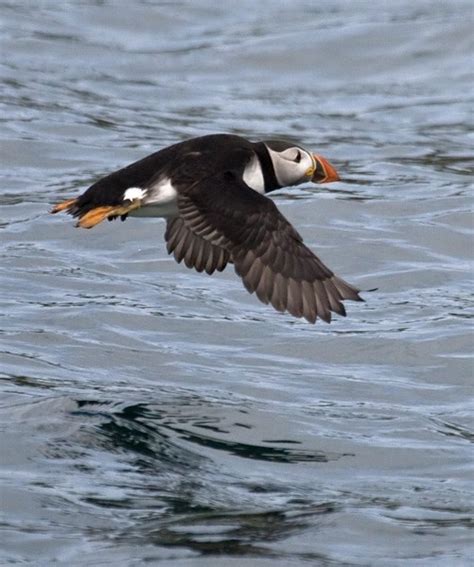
{"x": 268, "y": 171}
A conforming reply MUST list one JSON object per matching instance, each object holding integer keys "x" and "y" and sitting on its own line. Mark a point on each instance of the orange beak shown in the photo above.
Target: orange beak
{"x": 324, "y": 172}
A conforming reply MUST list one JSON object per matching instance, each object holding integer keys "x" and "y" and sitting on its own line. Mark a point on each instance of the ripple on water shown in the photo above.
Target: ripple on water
{"x": 150, "y": 413}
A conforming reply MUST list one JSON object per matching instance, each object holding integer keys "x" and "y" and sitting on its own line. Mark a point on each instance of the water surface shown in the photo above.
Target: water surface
{"x": 152, "y": 414}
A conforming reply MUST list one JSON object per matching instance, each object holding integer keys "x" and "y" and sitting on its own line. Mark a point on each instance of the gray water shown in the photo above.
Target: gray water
{"x": 153, "y": 415}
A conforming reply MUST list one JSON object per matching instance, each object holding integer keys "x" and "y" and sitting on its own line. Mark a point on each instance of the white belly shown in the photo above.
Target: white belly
{"x": 163, "y": 210}
{"x": 159, "y": 201}
{"x": 253, "y": 176}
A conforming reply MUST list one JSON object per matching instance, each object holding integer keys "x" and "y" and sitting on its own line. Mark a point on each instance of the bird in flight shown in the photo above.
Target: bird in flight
{"x": 212, "y": 192}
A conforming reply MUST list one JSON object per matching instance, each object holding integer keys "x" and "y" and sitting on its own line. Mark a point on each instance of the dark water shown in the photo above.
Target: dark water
{"x": 151, "y": 415}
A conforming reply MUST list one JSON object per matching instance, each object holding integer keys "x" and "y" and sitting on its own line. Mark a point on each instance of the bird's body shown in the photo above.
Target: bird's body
{"x": 211, "y": 190}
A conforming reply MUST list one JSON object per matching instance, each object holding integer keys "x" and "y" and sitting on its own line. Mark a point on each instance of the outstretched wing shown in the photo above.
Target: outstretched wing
{"x": 221, "y": 217}
{"x": 193, "y": 249}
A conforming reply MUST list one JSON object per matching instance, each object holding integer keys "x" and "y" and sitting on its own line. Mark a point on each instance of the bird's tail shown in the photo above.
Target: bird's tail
{"x": 89, "y": 217}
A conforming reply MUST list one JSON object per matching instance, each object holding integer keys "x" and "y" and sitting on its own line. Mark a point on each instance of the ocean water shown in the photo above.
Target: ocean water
{"x": 153, "y": 415}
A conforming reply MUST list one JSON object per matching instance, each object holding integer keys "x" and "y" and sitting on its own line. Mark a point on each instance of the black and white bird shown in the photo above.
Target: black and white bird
{"x": 212, "y": 192}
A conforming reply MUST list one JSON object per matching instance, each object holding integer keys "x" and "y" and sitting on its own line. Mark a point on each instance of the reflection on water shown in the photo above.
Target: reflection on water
{"x": 158, "y": 445}
{"x": 150, "y": 414}
{"x": 166, "y": 474}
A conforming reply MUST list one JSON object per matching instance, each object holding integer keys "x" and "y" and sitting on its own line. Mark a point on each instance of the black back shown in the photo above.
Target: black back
{"x": 185, "y": 163}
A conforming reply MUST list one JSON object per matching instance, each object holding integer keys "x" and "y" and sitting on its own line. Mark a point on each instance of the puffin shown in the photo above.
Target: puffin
{"x": 212, "y": 191}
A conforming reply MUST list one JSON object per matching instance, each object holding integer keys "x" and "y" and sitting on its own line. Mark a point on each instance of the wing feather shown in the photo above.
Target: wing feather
{"x": 195, "y": 251}
{"x": 222, "y": 220}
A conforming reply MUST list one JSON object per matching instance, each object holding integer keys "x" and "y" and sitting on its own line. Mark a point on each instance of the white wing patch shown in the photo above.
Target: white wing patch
{"x": 133, "y": 193}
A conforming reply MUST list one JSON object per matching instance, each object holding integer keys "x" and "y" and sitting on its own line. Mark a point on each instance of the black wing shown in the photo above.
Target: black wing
{"x": 193, "y": 249}
{"x": 222, "y": 215}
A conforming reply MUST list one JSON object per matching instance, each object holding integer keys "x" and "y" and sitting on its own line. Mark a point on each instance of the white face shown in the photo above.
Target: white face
{"x": 292, "y": 166}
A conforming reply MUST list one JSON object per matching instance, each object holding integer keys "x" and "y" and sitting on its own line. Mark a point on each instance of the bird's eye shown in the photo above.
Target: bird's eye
{"x": 298, "y": 157}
